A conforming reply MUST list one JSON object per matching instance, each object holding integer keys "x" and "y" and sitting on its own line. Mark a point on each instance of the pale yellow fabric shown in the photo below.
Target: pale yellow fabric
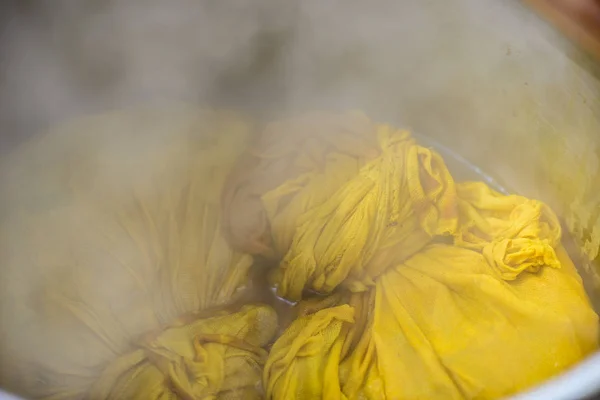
{"x": 218, "y": 357}
{"x": 112, "y": 239}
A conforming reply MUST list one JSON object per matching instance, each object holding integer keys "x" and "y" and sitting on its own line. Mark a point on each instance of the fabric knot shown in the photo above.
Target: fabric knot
{"x": 513, "y": 233}
{"x": 510, "y": 257}
{"x": 350, "y": 232}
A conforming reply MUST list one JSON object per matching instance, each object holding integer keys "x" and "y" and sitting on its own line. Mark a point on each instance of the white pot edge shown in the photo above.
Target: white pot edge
{"x": 580, "y": 382}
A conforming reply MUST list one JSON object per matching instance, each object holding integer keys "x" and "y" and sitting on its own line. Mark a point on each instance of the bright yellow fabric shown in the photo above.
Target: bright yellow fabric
{"x": 346, "y": 218}
{"x": 443, "y": 324}
{"x": 388, "y": 211}
{"x": 514, "y": 233}
{"x": 304, "y": 361}
{"x": 456, "y": 291}
{"x": 113, "y": 239}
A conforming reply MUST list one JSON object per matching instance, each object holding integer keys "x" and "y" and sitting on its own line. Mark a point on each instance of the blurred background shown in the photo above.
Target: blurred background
{"x": 495, "y": 81}
{"x": 61, "y": 58}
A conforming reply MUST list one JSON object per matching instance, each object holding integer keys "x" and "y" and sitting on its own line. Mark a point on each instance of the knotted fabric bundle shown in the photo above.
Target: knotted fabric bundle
{"x": 515, "y": 234}
{"x": 116, "y": 279}
{"x": 354, "y": 202}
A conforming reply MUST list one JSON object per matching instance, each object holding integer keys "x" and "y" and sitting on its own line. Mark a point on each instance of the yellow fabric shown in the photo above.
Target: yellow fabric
{"x": 443, "y": 324}
{"x": 286, "y": 149}
{"x": 113, "y": 240}
{"x": 218, "y": 357}
{"x": 514, "y": 233}
{"x": 346, "y": 219}
{"x": 119, "y": 281}
{"x": 435, "y": 289}
{"x": 304, "y": 361}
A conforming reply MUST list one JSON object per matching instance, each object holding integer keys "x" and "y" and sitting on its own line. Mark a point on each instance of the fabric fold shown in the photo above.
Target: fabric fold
{"x": 442, "y": 324}
{"x": 515, "y": 234}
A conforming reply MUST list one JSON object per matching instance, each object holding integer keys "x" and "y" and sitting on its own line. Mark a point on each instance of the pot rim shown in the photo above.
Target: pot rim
{"x": 582, "y": 381}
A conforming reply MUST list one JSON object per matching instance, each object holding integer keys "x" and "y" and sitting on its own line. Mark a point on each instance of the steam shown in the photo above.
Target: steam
{"x": 463, "y": 72}
{"x": 64, "y": 58}
{"x": 397, "y": 60}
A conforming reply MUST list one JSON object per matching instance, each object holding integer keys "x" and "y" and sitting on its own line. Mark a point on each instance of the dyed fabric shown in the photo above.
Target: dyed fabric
{"x": 116, "y": 280}
{"x": 347, "y": 214}
{"x": 127, "y": 249}
{"x": 443, "y": 324}
{"x": 433, "y": 289}
{"x": 515, "y": 234}
{"x": 286, "y": 150}
{"x": 211, "y": 357}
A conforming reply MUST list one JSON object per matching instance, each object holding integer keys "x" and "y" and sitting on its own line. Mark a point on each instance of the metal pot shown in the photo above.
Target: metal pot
{"x": 489, "y": 80}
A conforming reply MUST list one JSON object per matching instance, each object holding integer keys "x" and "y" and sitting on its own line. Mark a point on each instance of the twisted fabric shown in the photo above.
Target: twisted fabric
{"x": 346, "y": 219}
{"x": 433, "y": 289}
{"x": 322, "y": 149}
{"x": 217, "y": 357}
{"x": 515, "y": 234}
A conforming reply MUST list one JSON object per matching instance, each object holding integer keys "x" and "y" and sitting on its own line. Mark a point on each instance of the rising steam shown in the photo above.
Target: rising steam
{"x": 467, "y": 72}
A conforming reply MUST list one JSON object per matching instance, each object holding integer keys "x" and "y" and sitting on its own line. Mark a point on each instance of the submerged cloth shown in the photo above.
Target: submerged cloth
{"x": 433, "y": 289}
{"x": 500, "y": 311}
{"x": 354, "y": 202}
{"x": 116, "y": 279}
{"x": 443, "y": 325}
{"x": 125, "y": 266}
